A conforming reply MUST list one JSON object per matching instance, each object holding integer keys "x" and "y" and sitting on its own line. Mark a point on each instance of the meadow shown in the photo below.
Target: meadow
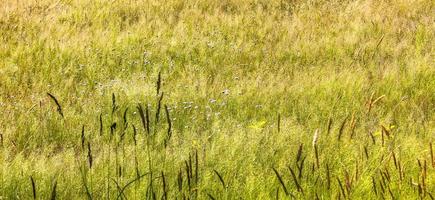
{"x": 217, "y": 99}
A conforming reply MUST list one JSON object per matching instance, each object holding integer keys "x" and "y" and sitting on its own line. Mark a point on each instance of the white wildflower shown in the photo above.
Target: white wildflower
{"x": 226, "y": 92}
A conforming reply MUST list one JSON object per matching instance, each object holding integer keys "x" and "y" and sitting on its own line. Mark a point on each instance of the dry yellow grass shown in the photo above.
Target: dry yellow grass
{"x": 229, "y": 68}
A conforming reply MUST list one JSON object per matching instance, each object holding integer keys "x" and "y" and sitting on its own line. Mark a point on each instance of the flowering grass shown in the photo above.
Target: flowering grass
{"x": 231, "y": 99}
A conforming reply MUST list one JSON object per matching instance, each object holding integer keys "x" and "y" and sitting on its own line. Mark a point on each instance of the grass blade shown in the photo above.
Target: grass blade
{"x": 220, "y": 178}
{"x": 59, "y": 108}
{"x": 281, "y": 181}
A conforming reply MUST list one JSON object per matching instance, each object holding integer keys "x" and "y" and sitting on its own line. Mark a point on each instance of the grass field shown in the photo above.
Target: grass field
{"x": 218, "y": 99}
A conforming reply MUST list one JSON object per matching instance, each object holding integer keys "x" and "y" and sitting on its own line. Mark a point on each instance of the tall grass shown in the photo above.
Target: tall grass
{"x": 217, "y": 99}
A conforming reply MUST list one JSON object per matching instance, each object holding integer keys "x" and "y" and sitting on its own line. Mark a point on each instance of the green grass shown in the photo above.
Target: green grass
{"x": 247, "y": 83}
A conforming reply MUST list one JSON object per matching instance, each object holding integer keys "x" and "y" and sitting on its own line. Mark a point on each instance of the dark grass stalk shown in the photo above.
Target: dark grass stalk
{"x": 136, "y": 165}
{"x": 134, "y": 135}
{"x": 381, "y": 185}
{"x": 118, "y": 187}
{"x": 277, "y": 193}
{"x": 220, "y": 179}
{"x": 135, "y": 152}
{"x": 114, "y": 106}
{"x": 53, "y": 191}
{"x": 329, "y": 126}
{"x": 299, "y": 154}
{"x": 124, "y": 117}
{"x": 147, "y": 120}
{"x": 180, "y": 180}
{"x": 375, "y": 51}
{"x": 142, "y": 116}
{"x": 432, "y": 155}
{"x": 281, "y": 181}
{"x": 83, "y": 137}
{"x": 374, "y": 186}
{"x": 370, "y": 103}
{"x": 191, "y": 169}
{"x": 395, "y": 160}
{"x": 188, "y": 175}
{"x": 295, "y": 180}
{"x": 165, "y": 194}
{"x": 313, "y": 168}
{"x": 168, "y": 119}
{"x": 279, "y": 123}
{"x": 387, "y": 133}
{"x": 300, "y": 168}
{"x": 153, "y": 194}
{"x": 149, "y": 193}
{"x": 33, "y": 187}
{"x": 420, "y": 191}
{"x": 85, "y": 183}
{"x": 112, "y": 130}
{"x": 352, "y": 125}
{"x": 159, "y": 105}
{"x": 383, "y": 181}
{"x": 424, "y": 175}
{"x": 387, "y": 174}
{"x": 90, "y": 158}
{"x": 122, "y": 189}
{"x": 210, "y": 196}
{"x": 158, "y": 83}
{"x": 383, "y": 195}
{"x": 341, "y": 130}
{"x": 59, "y": 107}
{"x": 431, "y": 196}
{"x": 101, "y": 124}
{"x": 347, "y": 181}
{"x": 373, "y": 138}
{"x": 366, "y": 152}
{"x": 121, "y": 137}
{"x": 190, "y": 166}
{"x": 117, "y": 165}
{"x": 391, "y": 193}
{"x": 341, "y": 188}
